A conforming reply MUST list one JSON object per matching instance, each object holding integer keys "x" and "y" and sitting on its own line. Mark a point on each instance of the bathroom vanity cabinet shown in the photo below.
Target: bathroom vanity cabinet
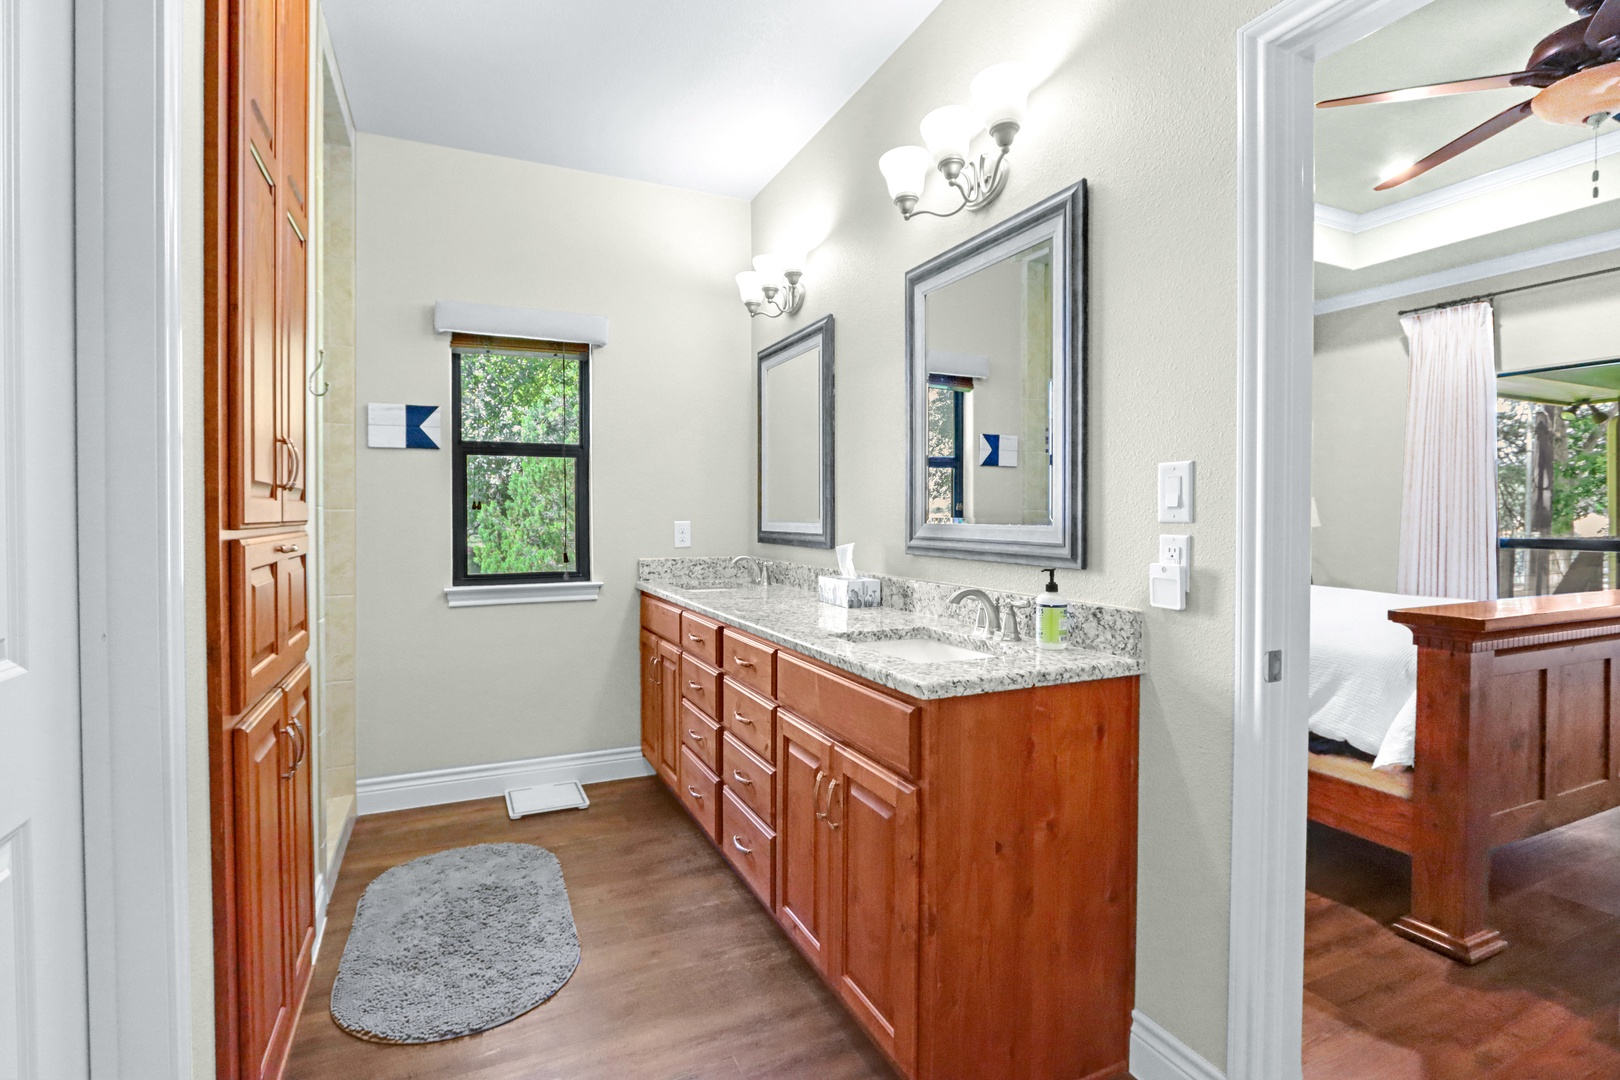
{"x": 961, "y": 870}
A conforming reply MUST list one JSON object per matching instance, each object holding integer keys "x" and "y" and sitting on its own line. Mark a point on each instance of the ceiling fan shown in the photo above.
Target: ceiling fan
{"x": 1575, "y": 69}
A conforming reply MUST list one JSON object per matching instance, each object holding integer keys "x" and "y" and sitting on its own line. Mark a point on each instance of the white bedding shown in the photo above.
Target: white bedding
{"x": 1364, "y": 672}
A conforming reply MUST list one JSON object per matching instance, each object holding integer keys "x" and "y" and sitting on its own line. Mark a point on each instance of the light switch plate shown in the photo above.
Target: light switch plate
{"x": 683, "y": 534}
{"x": 1176, "y": 491}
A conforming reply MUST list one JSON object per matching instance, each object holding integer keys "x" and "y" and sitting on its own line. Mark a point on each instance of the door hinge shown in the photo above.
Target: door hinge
{"x": 1274, "y": 666}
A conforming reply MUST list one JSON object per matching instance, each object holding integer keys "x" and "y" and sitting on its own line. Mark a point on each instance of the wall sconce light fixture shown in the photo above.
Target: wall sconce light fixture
{"x": 1000, "y": 96}
{"x": 772, "y": 287}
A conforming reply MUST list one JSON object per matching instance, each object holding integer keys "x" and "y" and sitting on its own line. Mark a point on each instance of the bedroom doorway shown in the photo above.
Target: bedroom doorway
{"x": 1287, "y": 212}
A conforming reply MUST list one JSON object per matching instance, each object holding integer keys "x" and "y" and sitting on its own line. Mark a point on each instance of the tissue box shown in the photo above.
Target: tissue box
{"x": 850, "y": 592}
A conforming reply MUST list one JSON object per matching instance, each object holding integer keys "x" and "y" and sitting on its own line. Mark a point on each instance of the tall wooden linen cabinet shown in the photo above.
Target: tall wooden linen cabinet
{"x": 257, "y": 214}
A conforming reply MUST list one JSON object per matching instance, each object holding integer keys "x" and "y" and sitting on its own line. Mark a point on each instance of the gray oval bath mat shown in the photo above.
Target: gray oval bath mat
{"x": 455, "y": 943}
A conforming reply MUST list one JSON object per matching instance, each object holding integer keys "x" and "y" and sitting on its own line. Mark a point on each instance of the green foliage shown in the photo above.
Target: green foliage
{"x": 521, "y": 512}
{"x": 1514, "y": 422}
{"x": 1580, "y": 467}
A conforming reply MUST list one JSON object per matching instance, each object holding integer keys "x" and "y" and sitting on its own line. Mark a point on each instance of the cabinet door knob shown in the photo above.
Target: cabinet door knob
{"x": 815, "y": 795}
{"x": 736, "y": 842}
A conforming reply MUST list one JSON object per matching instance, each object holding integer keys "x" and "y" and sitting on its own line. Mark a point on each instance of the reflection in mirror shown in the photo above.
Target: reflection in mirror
{"x": 995, "y": 391}
{"x": 795, "y": 439}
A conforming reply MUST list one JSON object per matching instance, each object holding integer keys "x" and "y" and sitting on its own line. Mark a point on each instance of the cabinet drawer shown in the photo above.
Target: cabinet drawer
{"x": 751, "y": 780}
{"x": 749, "y": 661}
{"x": 750, "y": 718}
{"x": 700, "y": 735}
{"x": 269, "y": 613}
{"x": 661, "y": 618}
{"x": 700, "y": 684}
{"x": 750, "y": 848}
{"x": 878, "y": 724}
{"x": 699, "y": 790}
{"x": 701, "y": 638}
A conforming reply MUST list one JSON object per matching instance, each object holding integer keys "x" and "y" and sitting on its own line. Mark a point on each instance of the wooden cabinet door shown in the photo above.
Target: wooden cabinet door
{"x": 652, "y": 702}
{"x": 259, "y": 757}
{"x": 293, "y": 272}
{"x": 297, "y": 833}
{"x": 259, "y": 462}
{"x": 874, "y": 883}
{"x": 293, "y": 606}
{"x": 803, "y": 841}
{"x": 669, "y": 712}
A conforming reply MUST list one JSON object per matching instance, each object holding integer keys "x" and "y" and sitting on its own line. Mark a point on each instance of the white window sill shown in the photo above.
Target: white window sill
{"x": 532, "y": 592}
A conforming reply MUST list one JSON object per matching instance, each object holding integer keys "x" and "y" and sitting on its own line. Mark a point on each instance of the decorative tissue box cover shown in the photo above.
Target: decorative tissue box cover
{"x": 850, "y": 592}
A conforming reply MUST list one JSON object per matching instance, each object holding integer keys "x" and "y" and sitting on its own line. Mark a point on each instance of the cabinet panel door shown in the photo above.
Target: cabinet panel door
{"x": 293, "y": 577}
{"x": 259, "y": 459}
{"x": 875, "y": 878}
{"x": 257, "y": 621}
{"x": 652, "y": 704}
{"x": 293, "y": 272}
{"x": 297, "y": 836}
{"x": 292, "y": 150}
{"x": 803, "y": 762}
{"x": 259, "y": 756}
{"x": 669, "y": 712}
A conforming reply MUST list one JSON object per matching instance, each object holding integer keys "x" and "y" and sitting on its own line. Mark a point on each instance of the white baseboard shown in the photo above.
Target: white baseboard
{"x": 1158, "y": 1055}
{"x": 407, "y": 791}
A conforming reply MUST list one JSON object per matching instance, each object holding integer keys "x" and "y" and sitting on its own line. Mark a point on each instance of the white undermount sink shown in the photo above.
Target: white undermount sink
{"x": 920, "y": 650}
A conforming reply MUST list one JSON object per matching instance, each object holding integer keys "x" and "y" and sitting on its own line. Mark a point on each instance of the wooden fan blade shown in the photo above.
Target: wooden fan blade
{"x": 1494, "y": 126}
{"x": 1605, "y": 25}
{"x": 1415, "y": 93}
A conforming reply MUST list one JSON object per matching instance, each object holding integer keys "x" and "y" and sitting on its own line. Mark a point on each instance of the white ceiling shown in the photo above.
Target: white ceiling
{"x": 711, "y": 95}
{"x": 1445, "y": 40}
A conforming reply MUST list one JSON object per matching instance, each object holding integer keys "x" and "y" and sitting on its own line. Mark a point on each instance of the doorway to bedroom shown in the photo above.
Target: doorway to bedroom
{"x": 1462, "y": 908}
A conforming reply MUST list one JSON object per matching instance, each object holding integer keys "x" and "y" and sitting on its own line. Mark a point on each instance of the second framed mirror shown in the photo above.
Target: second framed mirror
{"x": 796, "y": 438}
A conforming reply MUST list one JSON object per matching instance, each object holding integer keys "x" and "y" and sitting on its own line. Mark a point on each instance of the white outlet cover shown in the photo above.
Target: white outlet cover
{"x": 683, "y": 534}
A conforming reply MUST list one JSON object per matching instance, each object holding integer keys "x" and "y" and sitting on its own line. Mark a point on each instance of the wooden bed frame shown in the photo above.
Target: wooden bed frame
{"x": 1518, "y": 732}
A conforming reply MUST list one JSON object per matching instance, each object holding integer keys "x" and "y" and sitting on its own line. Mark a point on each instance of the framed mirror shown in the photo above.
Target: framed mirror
{"x": 796, "y": 438}
{"x": 995, "y": 391}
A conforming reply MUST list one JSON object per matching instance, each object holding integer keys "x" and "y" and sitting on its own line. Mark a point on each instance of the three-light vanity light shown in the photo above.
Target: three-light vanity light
{"x": 1000, "y": 96}
{"x": 772, "y": 287}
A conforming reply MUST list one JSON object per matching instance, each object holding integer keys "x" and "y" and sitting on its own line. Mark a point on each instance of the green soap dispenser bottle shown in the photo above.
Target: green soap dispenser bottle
{"x": 1050, "y": 630}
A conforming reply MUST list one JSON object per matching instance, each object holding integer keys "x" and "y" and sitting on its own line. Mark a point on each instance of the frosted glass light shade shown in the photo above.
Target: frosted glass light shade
{"x": 905, "y": 170}
{"x": 769, "y": 269}
{"x": 792, "y": 261}
{"x": 949, "y": 131}
{"x": 1001, "y": 93}
{"x": 750, "y": 287}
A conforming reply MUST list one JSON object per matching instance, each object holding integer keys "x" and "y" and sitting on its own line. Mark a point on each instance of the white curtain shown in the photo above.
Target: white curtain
{"x": 1448, "y": 505}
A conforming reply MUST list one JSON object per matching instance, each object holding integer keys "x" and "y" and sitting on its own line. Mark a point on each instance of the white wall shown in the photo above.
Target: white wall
{"x": 672, "y": 438}
{"x": 1359, "y": 402}
{"x": 1163, "y": 293}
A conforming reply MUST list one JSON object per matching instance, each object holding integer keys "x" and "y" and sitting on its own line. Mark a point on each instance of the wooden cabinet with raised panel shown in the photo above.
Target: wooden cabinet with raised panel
{"x": 962, "y": 871}
{"x": 652, "y": 701}
{"x": 270, "y": 609}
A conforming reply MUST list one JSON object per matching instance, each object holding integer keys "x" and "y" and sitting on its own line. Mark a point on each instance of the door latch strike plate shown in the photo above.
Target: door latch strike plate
{"x": 1274, "y": 666}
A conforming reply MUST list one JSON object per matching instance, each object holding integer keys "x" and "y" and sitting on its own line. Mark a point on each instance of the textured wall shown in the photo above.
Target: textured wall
{"x": 672, "y": 433}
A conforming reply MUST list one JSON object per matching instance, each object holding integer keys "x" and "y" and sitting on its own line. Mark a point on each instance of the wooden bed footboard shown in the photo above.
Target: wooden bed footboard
{"x": 1518, "y": 732}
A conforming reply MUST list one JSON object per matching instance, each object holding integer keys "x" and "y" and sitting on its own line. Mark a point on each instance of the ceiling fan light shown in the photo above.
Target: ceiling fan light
{"x": 1001, "y": 93}
{"x": 948, "y": 132}
{"x": 905, "y": 170}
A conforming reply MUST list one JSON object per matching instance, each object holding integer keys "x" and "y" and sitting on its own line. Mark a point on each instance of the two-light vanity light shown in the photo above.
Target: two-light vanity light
{"x": 1000, "y": 96}
{"x": 772, "y": 287}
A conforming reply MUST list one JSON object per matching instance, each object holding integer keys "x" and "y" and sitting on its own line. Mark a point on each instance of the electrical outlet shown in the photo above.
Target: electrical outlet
{"x": 1176, "y": 550}
{"x": 683, "y": 534}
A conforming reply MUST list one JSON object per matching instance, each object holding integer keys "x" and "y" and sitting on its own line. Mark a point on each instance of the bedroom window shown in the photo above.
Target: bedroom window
{"x": 521, "y": 461}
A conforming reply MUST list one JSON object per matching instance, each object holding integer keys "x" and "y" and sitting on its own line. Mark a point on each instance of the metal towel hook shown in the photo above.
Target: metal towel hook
{"x": 320, "y": 362}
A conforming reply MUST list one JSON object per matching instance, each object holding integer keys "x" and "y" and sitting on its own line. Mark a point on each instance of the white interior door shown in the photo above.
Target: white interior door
{"x": 43, "y": 1013}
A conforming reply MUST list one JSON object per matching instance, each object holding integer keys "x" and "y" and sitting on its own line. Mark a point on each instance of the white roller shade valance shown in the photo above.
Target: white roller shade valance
{"x": 494, "y": 320}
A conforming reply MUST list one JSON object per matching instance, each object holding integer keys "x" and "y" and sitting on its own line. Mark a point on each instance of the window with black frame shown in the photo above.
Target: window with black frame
{"x": 521, "y": 446}
{"x": 947, "y": 399}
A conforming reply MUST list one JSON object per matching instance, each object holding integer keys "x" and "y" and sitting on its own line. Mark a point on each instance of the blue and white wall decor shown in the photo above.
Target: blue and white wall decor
{"x": 402, "y": 427}
{"x": 998, "y": 451}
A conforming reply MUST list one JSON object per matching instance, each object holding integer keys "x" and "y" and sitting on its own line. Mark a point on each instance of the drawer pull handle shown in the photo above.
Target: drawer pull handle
{"x": 741, "y": 662}
{"x": 694, "y": 637}
{"x": 741, "y": 719}
{"x": 694, "y": 735}
{"x": 831, "y": 824}
{"x": 736, "y": 842}
{"x": 694, "y": 792}
{"x": 740, "y": 778}
{"x": 287, "y": 549}
{"x": 815, "y": 795}
{"x": 693, "y": 686}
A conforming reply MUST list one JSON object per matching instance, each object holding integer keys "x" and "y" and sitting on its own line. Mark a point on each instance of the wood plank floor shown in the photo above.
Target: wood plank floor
{"x": 1546, "y": 1009}
{"x": 683, "y": 975}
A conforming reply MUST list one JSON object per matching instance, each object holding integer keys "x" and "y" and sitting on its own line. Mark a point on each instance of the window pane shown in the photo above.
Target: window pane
{"x": 941, "y": 422}
{"x": 941, "y": 496}
{"x": 520, "y": 515}
{"x": 519, "y": 397}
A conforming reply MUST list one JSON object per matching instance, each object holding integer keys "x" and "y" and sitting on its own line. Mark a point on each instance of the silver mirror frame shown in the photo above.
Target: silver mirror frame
{"x": 1062, "y": 218}
{"x": 816, "y": 334}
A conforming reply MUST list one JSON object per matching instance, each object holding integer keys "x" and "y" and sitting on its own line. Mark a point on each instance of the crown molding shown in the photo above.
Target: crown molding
{"x": 1509, "y": 176}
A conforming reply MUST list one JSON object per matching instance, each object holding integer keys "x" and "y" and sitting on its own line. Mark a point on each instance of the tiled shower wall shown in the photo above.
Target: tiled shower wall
{"x": 336, "y": 408}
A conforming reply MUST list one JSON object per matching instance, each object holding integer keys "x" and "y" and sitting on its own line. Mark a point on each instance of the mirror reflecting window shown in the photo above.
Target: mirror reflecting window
{"x": 994, "y": 371}
{"x": 795, "y": 439}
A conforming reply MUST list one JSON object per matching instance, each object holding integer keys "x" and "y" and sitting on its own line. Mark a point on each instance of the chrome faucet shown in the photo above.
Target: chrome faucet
{"x": 989, "y": 620}
{"x": 756, "y": 569}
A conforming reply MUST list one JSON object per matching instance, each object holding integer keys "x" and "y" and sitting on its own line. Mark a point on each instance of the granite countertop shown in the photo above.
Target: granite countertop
{"x": 792, "y": 617}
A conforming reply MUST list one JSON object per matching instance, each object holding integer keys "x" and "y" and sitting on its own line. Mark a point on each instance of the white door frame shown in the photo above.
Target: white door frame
{"x": 1277, "y": 57}
{"x": 128, "y": 177}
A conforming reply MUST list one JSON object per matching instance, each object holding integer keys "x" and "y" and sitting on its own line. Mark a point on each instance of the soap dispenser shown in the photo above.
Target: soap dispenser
{"x": 1050, "y": 629}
